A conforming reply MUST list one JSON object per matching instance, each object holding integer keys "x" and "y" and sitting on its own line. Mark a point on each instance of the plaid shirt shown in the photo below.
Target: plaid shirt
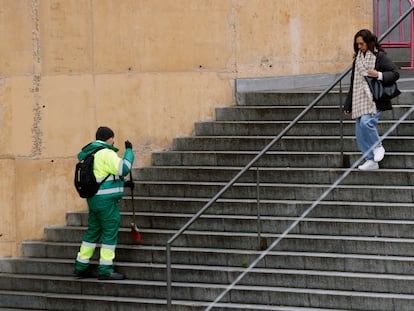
{"x": 362, "y": 102}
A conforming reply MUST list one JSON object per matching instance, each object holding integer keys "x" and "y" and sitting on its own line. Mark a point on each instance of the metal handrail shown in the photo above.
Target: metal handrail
{"x": 256, "y": 158}
{"x": 235, "y": 178}
{"x": 308, "y": 210}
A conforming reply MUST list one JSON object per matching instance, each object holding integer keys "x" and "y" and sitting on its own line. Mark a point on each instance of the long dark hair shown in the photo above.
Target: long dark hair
{"x": 370, "y": 39}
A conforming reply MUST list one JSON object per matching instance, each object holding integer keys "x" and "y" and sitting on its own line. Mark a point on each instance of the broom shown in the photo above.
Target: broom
{"x": 134, "y": 228}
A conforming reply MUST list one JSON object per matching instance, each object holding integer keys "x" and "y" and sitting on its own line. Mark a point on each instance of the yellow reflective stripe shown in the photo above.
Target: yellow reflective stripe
{"x": 107, "y": 254}
{"x": 86, "y": 252}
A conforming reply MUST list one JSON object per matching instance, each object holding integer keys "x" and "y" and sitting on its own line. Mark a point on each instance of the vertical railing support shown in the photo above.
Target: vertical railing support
{"x": 259, "y": 222}
{"x": 168, "y": 251}
{"x": 344, "y": 157}
{"x": 261, "y": 241}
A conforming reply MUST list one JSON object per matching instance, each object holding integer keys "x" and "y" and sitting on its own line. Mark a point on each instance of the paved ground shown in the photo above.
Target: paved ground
{"x": 405, "y": 83}
{"x": 407, "y": 73}
{"x": 309, "y": 83}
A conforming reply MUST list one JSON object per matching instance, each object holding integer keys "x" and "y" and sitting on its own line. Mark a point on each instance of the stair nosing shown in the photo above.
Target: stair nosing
{"x": 184, "y": 249}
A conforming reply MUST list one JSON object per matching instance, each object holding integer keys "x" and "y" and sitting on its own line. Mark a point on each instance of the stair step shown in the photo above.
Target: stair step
{"x": 90, "y": 302}
{"x": 240, "y": 294}
{"x": 298, "y": 97}
{"x": 352, "y": 262}
{"x": 308, "y": 159}
{"x": 242, "y": 240}
{"x": 274, "y": 224}
{"x": 287, "y": 143}
{"x": 303, "y": 128}
{"x": 269, "y": 174}
{"x": 292, "y": 98}
{"x": 325, "y": 208}
{"x": 301, "y": 97}
{"x": 141, "y": 272}
{"x": 275, "y": 191}
{"x": 283, "y": 113}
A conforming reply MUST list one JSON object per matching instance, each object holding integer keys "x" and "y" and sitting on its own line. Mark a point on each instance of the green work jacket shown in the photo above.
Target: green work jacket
{"x": 107, "y": 162}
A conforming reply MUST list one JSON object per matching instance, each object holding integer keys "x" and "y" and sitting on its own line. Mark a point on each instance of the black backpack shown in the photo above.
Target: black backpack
{"x": 85, "y": 181}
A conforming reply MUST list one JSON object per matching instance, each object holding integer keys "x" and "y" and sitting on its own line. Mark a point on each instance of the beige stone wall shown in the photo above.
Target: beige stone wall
{"x": 147, "y": 68}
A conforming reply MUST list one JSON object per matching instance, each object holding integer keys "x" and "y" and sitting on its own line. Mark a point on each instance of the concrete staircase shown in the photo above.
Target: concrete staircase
{"x": 354, "y": 252}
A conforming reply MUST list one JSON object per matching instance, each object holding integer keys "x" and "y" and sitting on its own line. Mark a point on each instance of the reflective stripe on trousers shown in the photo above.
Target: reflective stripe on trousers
{"x": 107, "y": 255}
{"x": 86, "y": 252}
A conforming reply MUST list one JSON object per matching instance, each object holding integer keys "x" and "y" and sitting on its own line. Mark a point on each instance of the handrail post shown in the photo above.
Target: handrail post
{"x": 341, "y": 113}
{"x": 168, "y": 258}
{"x": 259, "y": 224}
{"x": 344, "y": 158}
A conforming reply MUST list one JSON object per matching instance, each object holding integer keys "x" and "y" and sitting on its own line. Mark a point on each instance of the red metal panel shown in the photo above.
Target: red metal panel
{"x": 404, "y": 40}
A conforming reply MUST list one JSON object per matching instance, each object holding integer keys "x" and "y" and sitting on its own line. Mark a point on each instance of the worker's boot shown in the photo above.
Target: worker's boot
{"x": 111, "y": 276}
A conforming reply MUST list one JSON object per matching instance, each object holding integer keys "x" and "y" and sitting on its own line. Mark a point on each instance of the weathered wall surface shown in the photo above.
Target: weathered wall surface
{"x": 148, "y": 69}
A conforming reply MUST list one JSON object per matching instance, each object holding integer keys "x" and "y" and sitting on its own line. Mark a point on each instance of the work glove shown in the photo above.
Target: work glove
{"x": 129, "y": 184}
{"x": 128, "y": 144}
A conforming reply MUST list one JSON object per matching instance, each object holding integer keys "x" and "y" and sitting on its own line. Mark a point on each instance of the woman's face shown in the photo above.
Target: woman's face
{"x": 362, "y": 45}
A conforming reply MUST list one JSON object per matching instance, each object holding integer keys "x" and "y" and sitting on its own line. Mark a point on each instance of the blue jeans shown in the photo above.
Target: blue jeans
{"x": 367, "y": 134}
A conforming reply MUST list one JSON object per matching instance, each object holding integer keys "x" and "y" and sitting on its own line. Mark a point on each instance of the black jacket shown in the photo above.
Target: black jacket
{"x": 389, "y": 75}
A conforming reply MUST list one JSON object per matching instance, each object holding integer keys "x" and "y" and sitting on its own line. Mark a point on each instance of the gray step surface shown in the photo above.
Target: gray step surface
{"x": 69, "y": 302}
{"x": 287, "y": 208}
{"x": 277, "y": 191}
{"x": 283, "y": 113}
{"x": 292, "y": 98}
{"x": 298, "y": 159}
{"x": 353, "y": 252}
{"x": 273, "y": 175}
{"x": 242, "y": 240}
{"x": 270, "y": 224}
{"x": 257, "y": 128}
{"x": 299, "y": 97}
{"x": 240, "y": 294}
{"x": 287, "y": 143}
{"x": 30, "y": 280}
{"x": 353, "y": 262}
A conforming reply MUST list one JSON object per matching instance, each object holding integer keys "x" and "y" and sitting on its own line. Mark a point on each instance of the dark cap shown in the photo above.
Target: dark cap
{"x": 104, "y": 133}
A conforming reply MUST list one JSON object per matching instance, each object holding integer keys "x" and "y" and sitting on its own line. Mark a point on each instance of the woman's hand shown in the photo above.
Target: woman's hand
{"x": 373, "y": 73}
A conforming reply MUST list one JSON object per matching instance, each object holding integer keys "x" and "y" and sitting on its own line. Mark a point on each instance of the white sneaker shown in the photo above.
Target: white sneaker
{"x": 379, "y": 153}
{"x": 369, "y": 165}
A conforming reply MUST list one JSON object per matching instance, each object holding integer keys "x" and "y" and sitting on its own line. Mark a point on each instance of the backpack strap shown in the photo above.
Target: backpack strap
{"x": 104, "y": 179}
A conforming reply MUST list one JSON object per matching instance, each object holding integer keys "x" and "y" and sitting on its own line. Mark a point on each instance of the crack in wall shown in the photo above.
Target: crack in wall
{"x": 36, "y": 81}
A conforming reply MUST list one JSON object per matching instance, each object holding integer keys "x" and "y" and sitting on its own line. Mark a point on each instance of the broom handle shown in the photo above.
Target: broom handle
{"x": 132, "y": 197}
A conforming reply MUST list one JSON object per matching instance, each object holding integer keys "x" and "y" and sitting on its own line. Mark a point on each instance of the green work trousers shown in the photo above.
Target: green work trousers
{"x": 103, "y": 225}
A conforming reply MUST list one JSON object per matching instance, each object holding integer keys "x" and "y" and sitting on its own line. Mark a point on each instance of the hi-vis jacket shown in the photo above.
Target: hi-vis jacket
{"x": 107, "y": 162}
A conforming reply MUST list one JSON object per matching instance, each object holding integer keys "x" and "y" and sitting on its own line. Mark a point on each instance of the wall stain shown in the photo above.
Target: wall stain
{"x": 36, "y": 82}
